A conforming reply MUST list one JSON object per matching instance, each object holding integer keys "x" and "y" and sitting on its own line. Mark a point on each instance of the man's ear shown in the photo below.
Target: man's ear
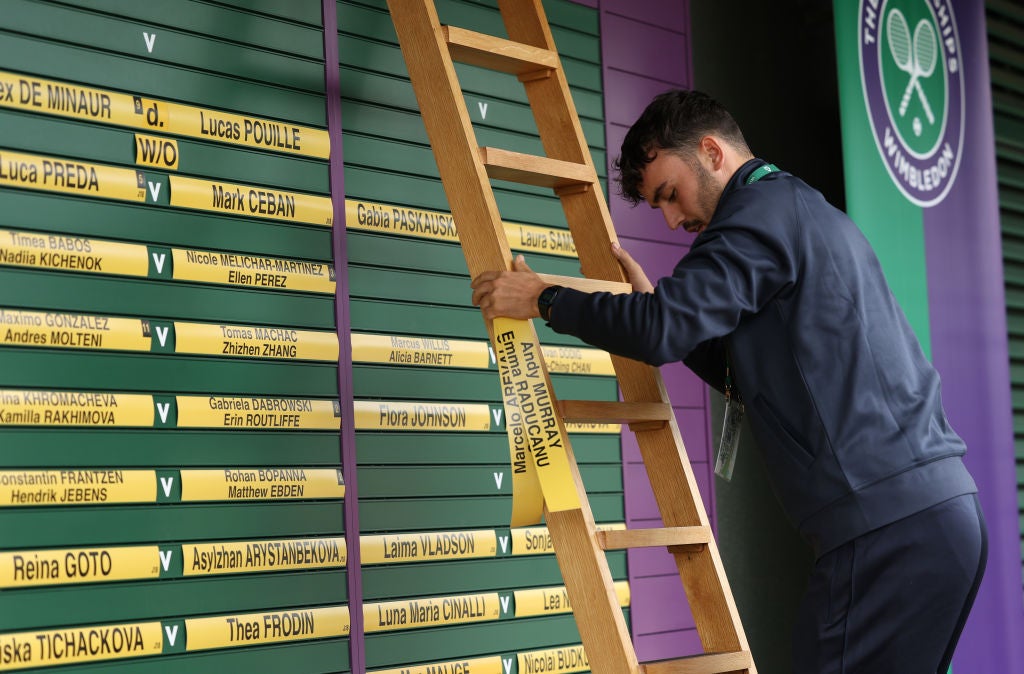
{"x": 712, "y": 152}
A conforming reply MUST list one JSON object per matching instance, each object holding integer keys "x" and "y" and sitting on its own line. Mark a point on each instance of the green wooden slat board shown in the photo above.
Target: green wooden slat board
{"x": 310, "y": 657}
{"x": 130, "y": 448}
{"x": 197, "y": 16}
{"x": 139, "y": 601}
{"x": 174, "y": 47}
{"x": 38, "y": 134}
{"x": 467, "y": 576}
{"x": 255, "y": 58}
{"x": 168, "y": 227}
{"x": 431, "y": 645}
{"x": 1006, "y": 60}
{"x": 396, "y": 448}
{"x": 141, "y": 76}
{"x": 77, "y": 526}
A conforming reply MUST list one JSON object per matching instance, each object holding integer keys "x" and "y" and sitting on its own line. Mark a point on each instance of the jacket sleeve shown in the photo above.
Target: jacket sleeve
{"x": 707, "y": 361}
{"x": 734, "y": 269}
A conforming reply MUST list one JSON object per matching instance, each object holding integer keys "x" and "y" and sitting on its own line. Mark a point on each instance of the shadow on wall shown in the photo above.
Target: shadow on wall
{"x": 773, "y": 65}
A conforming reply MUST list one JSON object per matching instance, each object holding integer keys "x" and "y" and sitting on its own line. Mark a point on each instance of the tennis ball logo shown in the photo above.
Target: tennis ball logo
{"x": 914, "y": 92}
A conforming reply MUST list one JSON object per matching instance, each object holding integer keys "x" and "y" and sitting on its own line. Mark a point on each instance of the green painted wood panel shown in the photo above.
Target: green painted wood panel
{"x": 140, "y": 76}
{"x": 254, "y": 58}
{"x": 442, "y": 514}
{"x": 134, "y": 602}
{"x": 436, "y": 644}
{"x": 465, "y": 385}
{"x": 122, "y": 36}
{"x": 207, "y": 231}
{"x": 449, "y": 481}
{"x": 133, "y": 448}
{"x": 77, "y": 526}
{"x": 397, "y": 448}
{"x": 312, "y": 657}
{"x": 196, "y": 16}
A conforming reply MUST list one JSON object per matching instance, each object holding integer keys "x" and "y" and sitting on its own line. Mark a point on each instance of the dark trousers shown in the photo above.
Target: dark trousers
{"x": 896, "y": 599}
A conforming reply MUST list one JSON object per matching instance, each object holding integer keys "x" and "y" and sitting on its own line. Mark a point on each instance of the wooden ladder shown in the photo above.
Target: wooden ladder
{"x": 466, "y": 170}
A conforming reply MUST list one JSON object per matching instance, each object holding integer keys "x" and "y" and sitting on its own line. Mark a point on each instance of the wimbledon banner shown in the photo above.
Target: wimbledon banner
{"x": 919, "y": 161}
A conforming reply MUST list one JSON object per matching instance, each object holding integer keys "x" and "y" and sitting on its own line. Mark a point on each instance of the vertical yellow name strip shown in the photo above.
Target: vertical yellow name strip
{"x": 521, "y": 369}
{"x": 67, "y": 645}
{"x": 263, "y": 628}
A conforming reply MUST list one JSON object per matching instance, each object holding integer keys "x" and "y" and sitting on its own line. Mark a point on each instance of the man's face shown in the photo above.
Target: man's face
{"x": 685, "y": 191}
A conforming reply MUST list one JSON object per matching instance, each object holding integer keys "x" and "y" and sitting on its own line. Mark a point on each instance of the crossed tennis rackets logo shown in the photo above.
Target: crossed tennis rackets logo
{"x": 916, "y": 59}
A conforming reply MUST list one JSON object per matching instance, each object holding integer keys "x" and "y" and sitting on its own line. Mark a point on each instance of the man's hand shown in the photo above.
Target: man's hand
{"x": 508, "y": 293}
{"x": 637, "y": 277}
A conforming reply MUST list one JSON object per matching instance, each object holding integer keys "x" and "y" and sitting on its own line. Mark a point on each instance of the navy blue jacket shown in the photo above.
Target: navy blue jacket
{"x": 840, "y": 397}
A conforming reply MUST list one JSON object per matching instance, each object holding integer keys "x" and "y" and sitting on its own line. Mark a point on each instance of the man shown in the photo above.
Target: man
{"x": 782, "y": 300}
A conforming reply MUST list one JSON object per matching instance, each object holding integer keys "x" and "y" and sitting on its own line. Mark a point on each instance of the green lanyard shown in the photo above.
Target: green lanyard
{"x": 761, "y": 172}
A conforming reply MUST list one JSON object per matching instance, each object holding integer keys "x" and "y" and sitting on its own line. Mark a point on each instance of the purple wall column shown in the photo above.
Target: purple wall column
{"x": 645, "y": 50}
{"x": 332, "y": 75}
{"x": 969, "y": 348}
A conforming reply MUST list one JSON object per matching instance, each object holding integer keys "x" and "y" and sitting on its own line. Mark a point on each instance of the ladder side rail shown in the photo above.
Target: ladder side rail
{"x": 604, "y": 633}
{"x": 663, "y": 452}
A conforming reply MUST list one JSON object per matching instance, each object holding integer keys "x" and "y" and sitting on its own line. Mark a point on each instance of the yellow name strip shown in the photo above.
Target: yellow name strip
{"x": 264, "y": 628}
{"x": 76, "y": 487}
{"x": 249, "y": 341}
{"x": 534, "y": 424}
{"x": 573, "y": 360}
{"x": 388, "y": 219}
{"x": 537, "y": 540}
{"x": 551, "y": 600}
{"x": 583, "y": 427}
{"x": 154, "y": 151}
{"x": 252, "y": 556}
{"x": 22, "y": 650}
{"x": 72, "y": 331}
{"x": 247, "y": 484}
{"x": 26, "y": 568}
{"x": 554, "y": 660}
{"x": 491, "y": 665}
{"x": 252, "y": 270}
{"x": 424, "y": 351}
{"x": 55, "y": 174}
{"x": 74, "y": 408}
{"x": 430, "y": 612}
{"x": 427, "y": 546}
{"x": 262, "y": 413}
{"x": 265, "y": 134}
{"x": 96, "y": 105}
{"x": 372, "y": 415}
{"x": 71, "y": 253}
{"x": 251, "y": 201}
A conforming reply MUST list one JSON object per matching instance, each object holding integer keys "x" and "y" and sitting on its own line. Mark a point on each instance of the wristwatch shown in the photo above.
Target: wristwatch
{"x": 545, "y": 300}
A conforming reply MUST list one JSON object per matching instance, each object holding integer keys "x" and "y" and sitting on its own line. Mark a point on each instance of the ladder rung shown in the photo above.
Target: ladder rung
{"x": 610, "y": 411}
{"x": 497, "y": 53}
{"x": 671, "y": 537}
{"x": 529, "y": 169}
{"x": 587, "y": 285}
{"x": 715, "y": 663}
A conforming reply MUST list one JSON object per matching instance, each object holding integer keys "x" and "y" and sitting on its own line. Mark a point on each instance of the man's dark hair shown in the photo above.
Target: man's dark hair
{"x": 675, "y": 121}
